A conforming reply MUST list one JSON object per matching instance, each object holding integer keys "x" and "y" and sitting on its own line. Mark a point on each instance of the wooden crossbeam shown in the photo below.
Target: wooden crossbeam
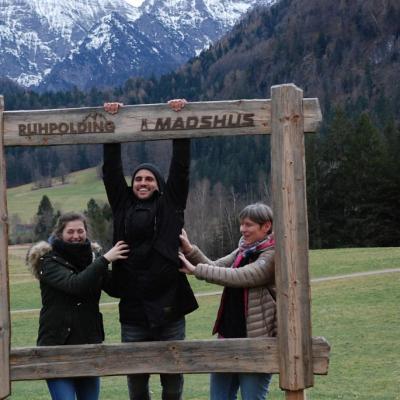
{"x": 146, "y": 122}
{"x": 194, "y": 356}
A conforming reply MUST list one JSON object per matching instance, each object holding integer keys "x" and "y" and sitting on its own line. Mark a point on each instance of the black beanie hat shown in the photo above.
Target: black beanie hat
{"x": 154, "y": 169}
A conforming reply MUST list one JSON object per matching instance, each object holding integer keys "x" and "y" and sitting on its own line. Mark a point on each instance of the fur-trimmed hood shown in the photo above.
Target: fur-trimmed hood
{"x": 40, "y": 249}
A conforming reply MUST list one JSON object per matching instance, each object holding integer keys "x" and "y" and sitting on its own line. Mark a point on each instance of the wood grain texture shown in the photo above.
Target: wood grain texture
{"x": 4, "y": 287}
{"x": 194, "y": 356}
{"x": 296, "y": 395}
{"x": 145, "y": 122}
{"x": 291, "y": 236}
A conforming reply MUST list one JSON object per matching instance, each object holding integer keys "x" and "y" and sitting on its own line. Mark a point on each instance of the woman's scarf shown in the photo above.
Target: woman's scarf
{"x": 78, "y": 254}
{"x": 247, "y": 250}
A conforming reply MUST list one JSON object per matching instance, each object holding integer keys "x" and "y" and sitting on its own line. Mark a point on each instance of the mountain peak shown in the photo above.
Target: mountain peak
{"x": 40, "y": 37}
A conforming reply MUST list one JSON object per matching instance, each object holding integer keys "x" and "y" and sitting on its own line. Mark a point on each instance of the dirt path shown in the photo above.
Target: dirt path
{"x": 214, "y": 293}
{"x": 355, "y": 275}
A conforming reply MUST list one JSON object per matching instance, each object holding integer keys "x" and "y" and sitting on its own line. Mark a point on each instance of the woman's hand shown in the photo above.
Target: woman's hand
{"x": 118, "y": 252}
{"x": 112, "y": 108}
{"x": 186, "y": 246}
{"x": 177, "y": 104}
{"x": 187, "y": 267}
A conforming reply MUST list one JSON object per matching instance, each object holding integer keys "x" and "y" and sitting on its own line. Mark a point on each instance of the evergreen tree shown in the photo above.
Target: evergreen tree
{"x": 333, "y": 181}
{"x": 45, "y": 219}
{"x": 366, "y": 167}
{"x": 389, "y": 210}
{"x": 351, "y": 182}
{"x": 312, "y": 149}
{"x": 100, "y": 223}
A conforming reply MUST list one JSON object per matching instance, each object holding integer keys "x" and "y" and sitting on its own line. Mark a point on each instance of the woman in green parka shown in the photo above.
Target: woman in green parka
{"x": 71, "y": 279}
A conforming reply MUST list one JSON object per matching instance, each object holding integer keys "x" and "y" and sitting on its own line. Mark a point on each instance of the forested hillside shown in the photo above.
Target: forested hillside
{"x": 346, "y": 53}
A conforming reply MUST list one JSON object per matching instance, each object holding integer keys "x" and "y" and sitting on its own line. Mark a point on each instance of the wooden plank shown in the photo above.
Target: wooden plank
{"x": 312, "y": 115}
{"x": 291, "y": 235}
{"x": 194, "y": 356}
{"x": 5, "y": 387}
{"x": 296, "y": 395}
{"x": 145, "y": 122}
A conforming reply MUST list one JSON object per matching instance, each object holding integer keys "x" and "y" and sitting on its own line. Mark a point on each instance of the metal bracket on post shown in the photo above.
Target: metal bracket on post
{"x": 5, "y": 326}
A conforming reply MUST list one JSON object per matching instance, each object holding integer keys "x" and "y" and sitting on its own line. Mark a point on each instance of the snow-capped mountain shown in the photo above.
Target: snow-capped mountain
{"x": 36, "y": 34}
{"x": 108, "y": 55}
{"x": 86, "y": 43}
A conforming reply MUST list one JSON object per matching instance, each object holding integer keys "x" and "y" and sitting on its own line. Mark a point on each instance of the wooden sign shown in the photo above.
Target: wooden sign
{"x": 145, "y": 122}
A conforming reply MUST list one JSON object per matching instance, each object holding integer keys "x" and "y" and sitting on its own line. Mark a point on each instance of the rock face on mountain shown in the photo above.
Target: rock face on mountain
{"x": 110, "y": 53}
{"x": 37, "y": 34}
{"x": 49, "y": 44}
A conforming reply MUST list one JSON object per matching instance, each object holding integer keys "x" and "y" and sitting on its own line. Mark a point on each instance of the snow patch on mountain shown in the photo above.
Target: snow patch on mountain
{"x": 229, "y": 11}
{"x": 135, "y": 3}
{"x": 38, "y": 36}
{"x": 64, "y": 17}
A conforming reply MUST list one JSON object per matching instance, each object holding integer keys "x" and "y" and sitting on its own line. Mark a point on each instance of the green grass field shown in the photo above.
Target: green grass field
{"x": 73, "y": 196}
{"x": 359, "y": 317}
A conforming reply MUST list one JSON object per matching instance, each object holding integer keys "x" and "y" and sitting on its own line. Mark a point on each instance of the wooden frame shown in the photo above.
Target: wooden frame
{"x": 295, "y": 355}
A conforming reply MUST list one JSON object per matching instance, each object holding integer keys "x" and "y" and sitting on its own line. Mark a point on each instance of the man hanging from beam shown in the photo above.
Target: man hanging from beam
{"x": 149, "y": 216}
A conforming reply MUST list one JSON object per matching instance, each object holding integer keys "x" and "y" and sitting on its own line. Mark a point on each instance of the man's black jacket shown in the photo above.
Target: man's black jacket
{"x": 152, "y": 290}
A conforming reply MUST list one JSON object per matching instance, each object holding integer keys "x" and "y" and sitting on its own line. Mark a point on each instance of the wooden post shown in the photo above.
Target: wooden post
{"x": 291, "y": 235}
{"x": 5, "y": 387}
{"x": 296, "y": 395}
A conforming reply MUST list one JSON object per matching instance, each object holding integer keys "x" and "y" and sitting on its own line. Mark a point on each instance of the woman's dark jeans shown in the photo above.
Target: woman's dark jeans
{"x": 138, "y": 384}
{"x": 85, "y": 388}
